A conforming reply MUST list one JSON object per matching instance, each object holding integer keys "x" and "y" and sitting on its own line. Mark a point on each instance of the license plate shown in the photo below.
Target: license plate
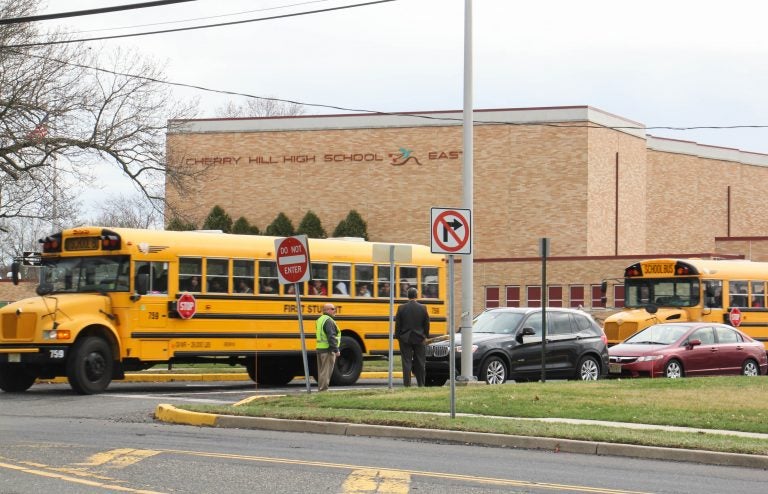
{"x": 14, "y": 357}
{"x": 614, "y": 368}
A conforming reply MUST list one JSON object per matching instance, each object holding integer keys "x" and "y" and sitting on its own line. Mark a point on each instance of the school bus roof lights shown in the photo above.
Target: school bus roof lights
{"x": 51, "y": 243}
{"x": 110, "y": 240}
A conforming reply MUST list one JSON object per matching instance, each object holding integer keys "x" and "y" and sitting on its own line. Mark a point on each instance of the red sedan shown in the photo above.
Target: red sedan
{"x": 687, "y": 349}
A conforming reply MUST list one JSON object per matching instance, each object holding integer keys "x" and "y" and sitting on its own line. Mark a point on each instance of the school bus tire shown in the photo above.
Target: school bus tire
{"x": 349, "y": 364}
{"x": 16, "y": 378}
{"x": 90, "y": 365}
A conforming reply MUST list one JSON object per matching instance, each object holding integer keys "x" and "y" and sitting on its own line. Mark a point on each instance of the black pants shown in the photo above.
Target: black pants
{"x": 414, "y": 358}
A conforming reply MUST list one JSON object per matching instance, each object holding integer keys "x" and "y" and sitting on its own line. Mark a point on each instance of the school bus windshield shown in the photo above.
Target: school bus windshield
{"x": 665, "y": 292}
{"x": 85, "y": 274}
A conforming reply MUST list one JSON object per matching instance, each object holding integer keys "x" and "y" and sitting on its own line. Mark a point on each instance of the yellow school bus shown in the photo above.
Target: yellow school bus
{"x": 678, "y": 290}
{"x": 109, "y": 302}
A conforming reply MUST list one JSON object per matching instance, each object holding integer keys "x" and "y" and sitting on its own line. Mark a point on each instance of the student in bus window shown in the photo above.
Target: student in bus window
{"x": 243, "y": 287}
{"x": 194, "y": 284}
{"x": 363, "y": 291}
{"x": 384, "y": 289}
{"x": 318, "y": 288}
{"x": 267, "y": 286}
{"x": 340, "y": 288}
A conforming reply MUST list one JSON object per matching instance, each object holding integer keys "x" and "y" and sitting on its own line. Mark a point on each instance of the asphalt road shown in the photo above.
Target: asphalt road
{"x": 54, "y": 440}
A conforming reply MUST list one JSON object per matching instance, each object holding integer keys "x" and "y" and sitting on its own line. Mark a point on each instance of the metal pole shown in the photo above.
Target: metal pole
{"x": 467, "y": 272}
{"x": 452, "y": 332}
{"x": 391, "y": 311}
{"x": 544, "y": 252}
{"x": 303, "y": 341}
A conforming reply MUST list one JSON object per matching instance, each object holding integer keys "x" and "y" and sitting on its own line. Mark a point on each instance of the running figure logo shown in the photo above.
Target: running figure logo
{"x": 404, "y": 157}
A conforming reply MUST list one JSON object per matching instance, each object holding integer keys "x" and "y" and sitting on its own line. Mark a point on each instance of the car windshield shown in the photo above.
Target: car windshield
{"x": 500, "y": 322}
{"x": 660, "y": 334}
{"x": 85, "y": 274}
{"x": 664, "y": 292}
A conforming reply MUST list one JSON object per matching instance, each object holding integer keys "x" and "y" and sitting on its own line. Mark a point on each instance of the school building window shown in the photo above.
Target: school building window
{"x": 513, "y": 295}
{"x": 618, "y": 295}
{"x": 555, "y": 296}
{"x": 491, "y": 297}
{"x": 597, "y": 296}
{"x": 533, "y": 295}
{"x": 576, "y": 296}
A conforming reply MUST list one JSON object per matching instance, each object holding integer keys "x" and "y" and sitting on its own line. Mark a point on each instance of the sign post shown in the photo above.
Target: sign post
{"x": 392, "y": 253}
{"x": 293, "y": 267}
{"x": 452, "y": 234}
{"x": 544, "y": 251}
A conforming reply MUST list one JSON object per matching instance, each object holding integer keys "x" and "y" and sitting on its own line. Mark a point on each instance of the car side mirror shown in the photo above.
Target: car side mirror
{"x": 693, "y": 343}
{"x": 525, "y": 332}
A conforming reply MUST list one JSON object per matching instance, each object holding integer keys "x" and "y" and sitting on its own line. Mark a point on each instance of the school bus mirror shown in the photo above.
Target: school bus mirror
{"x": 604, "y": 287}
{"x": 15, "y": 272}
{"x": 142, "y": 283}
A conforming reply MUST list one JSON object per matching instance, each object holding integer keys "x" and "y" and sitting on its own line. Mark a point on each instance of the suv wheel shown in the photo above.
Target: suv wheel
{"x": 588, "y": 369}
{"x": 493, "y": 371}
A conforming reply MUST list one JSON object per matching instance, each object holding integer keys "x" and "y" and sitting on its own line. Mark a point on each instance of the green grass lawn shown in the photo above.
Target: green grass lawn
{"x": 733, "y": 403}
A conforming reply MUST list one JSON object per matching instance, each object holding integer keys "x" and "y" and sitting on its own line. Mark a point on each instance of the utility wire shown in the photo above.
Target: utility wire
{"x": 422, "y": 115}
{"x": 285, "y": 6}
{"x": 232, "y": 23}
{"x": 79, "y": 13}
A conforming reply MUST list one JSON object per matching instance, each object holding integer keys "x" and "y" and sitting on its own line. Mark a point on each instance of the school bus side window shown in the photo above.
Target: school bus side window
{"x": 383, "y": 284}
{"x": 341, "y": 275}
{"x": 217, "y": 272}
{"x": 242, "y": 275}
{"x": 429, "y": 283}
{"x": 268, "y": 282}
{"x": 363, "y": 280}
{"x": 408, "y": 279}
{"x": 737, "y": 291}
{"x": 319, "y": 279}
{"x": 190, "y": 274}
{"x": 158, "y": 276}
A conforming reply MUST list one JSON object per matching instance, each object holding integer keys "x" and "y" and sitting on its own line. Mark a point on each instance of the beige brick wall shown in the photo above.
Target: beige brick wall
{"x": 530, "y": 181}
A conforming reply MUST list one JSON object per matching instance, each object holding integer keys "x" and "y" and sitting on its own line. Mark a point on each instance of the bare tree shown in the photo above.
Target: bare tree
{"x": 59, "y": 114}
{"x": 129, "y": 212}
{"x": 260, "y": 107}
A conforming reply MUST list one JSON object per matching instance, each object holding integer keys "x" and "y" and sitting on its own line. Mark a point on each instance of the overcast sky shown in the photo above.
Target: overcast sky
{"x": 659, "y": 62}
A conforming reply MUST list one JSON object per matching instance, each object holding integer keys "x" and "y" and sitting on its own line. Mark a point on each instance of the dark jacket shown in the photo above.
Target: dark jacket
{"x": 412, "y": 322}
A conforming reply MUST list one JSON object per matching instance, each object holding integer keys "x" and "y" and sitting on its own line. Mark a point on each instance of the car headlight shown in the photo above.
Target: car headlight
{"x": 648, "y": 358}
{"x": 474, "y": 348}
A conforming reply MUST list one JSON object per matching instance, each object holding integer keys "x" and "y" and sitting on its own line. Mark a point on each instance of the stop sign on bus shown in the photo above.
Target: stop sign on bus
{"x": 292, "y": 259}
{"x": 735, "y": 316}
{"x": 186, "y": 306}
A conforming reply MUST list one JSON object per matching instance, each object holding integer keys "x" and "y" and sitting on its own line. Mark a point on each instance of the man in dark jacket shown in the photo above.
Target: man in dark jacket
{"x": 412, "y": 331}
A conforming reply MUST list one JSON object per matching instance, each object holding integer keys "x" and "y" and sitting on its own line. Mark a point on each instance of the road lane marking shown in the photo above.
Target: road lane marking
{"x": 118, "y": 458}
{"x": 371, "y": 480}
{"x": 445, "y": 476}
{"x": 75, "y": 480}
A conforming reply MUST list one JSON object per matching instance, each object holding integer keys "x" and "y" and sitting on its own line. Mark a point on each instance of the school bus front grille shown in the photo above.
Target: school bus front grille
{"x": 18, "y": 327}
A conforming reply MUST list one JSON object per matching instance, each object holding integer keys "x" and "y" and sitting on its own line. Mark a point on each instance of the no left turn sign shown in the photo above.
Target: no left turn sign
{"x": 451, "y": 231}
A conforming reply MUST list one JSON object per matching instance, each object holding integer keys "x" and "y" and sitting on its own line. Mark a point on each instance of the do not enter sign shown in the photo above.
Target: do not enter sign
{"x": 186, "y": 306}
{"x": 735, "y": 316}
{"x": 292, "y": 259}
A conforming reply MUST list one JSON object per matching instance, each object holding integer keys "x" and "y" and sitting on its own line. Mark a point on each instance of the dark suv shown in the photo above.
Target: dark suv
{"x": 506, "y": 344}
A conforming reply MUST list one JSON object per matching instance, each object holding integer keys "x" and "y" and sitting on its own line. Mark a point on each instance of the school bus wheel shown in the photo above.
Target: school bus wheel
{"x": 89, "y": 366}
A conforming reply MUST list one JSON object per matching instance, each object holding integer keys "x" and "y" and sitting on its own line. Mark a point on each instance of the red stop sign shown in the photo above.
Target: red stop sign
{"x": 735, "y": 316}
{"x": 292, "y": 259}
{"x": 186, "y": 306}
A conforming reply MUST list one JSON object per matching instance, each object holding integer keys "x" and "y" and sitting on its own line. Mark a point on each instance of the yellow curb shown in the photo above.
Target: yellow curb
{"x": 169, "y": 413}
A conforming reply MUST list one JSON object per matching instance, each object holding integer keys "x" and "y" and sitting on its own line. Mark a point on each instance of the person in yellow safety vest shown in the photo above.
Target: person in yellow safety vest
{"x": 327, "y": 346}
